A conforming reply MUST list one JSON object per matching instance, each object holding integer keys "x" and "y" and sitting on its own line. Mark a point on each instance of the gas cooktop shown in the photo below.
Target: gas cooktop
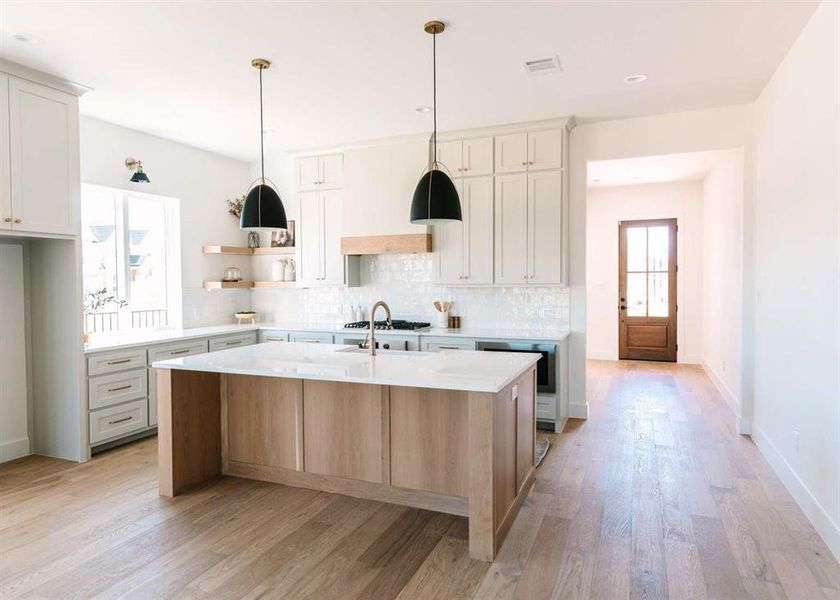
{"x": 395, "y": 324}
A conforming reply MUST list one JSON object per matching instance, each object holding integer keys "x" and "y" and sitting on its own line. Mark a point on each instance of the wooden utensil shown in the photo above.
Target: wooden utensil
{"x": 446, "y": 306}
{"x": 438, "y": 306}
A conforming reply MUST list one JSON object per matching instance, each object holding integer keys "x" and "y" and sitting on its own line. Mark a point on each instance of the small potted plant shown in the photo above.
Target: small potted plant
{"x": 94, "y": 302}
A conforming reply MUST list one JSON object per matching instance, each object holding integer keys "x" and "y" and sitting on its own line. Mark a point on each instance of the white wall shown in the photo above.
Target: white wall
{"x": 710, "y": 129}
{"x": 606, "y": 206}
{"x": 14, "y": 405}
{"x": 202, "y": 182}
{"x": 797, "y": 218}
{"x": 723, "y": 198}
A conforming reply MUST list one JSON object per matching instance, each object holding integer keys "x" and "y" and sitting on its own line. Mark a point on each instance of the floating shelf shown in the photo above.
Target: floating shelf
{"x": 274, "y": 284}
{"x": 246, "y": 251}
{"x": 223, "y": 285}
{"x": 280, "y": 250}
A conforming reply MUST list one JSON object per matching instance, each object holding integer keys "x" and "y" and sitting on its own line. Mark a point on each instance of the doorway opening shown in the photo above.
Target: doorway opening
{"x": 647, "y": 289}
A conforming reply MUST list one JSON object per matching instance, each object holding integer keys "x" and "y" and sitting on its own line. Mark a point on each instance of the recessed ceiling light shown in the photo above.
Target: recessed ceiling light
{"x": 423, "y": 109}
{"x": 25, "y": 38}
{"x": 635, "y": 78}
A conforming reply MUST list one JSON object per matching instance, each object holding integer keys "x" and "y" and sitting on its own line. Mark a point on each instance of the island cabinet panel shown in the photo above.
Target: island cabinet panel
{"x": 429, "y": 445}
{"x": 189, "y": 429}
{"x": 504, "y": 453}
{"x": 525, "y": 430}
{"x": 346, "y": 430}
{"x": 262, "y": 421}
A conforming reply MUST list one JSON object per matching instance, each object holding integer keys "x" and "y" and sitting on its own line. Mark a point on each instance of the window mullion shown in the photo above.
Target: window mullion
{"x": 123, "y": 270}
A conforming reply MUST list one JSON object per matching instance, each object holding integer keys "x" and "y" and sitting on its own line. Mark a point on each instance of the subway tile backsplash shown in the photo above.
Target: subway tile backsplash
{"x": 404, "y": 281}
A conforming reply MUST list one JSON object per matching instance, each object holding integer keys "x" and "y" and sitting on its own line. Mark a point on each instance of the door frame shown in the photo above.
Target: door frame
{"x": 673, "y": 288}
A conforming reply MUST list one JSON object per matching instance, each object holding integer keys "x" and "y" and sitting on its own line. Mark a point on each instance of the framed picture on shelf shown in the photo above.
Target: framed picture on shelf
{"x": 283, "y": 238}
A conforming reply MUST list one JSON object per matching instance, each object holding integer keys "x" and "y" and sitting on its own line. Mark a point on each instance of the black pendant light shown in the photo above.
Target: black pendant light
{"x": 435, "y": 199}
{"x": 263, "y": 208}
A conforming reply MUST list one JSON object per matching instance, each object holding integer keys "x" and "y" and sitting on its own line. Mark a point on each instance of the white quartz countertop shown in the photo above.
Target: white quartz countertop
{"x": 114, "y": 341}
{"x": 447, "y": 370}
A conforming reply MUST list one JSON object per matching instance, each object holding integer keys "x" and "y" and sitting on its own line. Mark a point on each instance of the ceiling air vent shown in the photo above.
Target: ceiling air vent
{"x": 542, "y": 66}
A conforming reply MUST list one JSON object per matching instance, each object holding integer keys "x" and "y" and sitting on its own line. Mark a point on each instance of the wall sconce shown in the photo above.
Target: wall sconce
{"x": 132, "y": 164}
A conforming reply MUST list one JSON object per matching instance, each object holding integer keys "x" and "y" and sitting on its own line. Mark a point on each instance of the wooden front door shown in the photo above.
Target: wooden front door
{"x": 647, "y": 290}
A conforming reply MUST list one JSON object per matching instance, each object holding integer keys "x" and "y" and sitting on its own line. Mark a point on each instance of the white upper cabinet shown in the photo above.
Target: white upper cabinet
{"x": 43, "y": 159}
{"x": 448, "y": 244}
{"x": 309, "y": 239}
{"x": 450, "y": 154}
{"x": 544, "y": 227}
{"x": 511, "y": 229}
{"x": 332, "y": 270}
{"x": 331, "y": 171}
{"x": 511, "y": 152}
{"x": 545, "y": 149}
{"x": 319, "y": 172}
{"x": 532, "y": 151}
{"x": 306, "y": 173}
{"x": 477, "y": 208}
{"x": 478, "y": 157}
{"x": 5, "y": 160}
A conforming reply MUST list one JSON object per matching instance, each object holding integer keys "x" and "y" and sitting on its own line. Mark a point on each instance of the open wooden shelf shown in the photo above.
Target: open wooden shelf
{"x": 226, "y": 250}
{"x": 223, "y": 285}
{"x": 246, "y": 251}
{"x": 281, "y": 250}
{"x": 274, "y": 284}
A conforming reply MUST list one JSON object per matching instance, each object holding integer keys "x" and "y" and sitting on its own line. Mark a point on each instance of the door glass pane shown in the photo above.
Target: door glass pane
{"x": 636, "y": 248}
{"x": 147, "y": 262}
{"x": 636, "y": 294}
{"x": 658, "y": 294}
{"x": 657, "y": 248}
{"x": 99, "y": 261}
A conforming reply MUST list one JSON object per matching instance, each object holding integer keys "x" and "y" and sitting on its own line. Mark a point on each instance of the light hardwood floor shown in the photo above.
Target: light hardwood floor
{"x": 654, "y": 497}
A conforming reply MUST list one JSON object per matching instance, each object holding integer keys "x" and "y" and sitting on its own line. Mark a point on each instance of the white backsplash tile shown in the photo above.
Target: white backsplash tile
{"x": 213, "y": 307}
{"x": 404, "y": 281}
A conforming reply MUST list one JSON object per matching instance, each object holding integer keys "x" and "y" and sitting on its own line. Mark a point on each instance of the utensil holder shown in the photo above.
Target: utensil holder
{"x": 443, "y": 319}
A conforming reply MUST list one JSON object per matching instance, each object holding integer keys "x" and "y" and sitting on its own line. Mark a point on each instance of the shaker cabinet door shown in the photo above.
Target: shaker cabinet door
{"x": 330, "y": 171}
{"x": 307, "y": 173}
{"x": 477, "y": 206}
{"x": 545, "y": 149}
{"x": 478, "y": 157}
{"x": 44, "y": 159}
{"x": 511, "y": 153}
{"x": 449, "y": 153}
{"x": 332, "y": 269}
{"x": 511, "y": 227}
{"x": 544, "y": 227}
{"x": 5, "y": 177}
{"x": 309, "y": 238}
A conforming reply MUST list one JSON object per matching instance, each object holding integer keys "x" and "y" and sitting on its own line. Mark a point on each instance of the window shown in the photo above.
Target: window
{"x": 130, "y": 260}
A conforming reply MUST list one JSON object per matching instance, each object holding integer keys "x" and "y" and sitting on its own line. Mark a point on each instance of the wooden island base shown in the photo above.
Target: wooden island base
{"x": 464, "y": 453}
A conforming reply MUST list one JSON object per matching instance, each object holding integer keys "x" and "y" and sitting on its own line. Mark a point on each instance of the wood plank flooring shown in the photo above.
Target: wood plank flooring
{"x": 654, "y": 496}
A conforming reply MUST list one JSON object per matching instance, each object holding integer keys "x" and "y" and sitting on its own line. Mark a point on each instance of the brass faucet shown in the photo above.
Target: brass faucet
{"x": 372, "y": 335}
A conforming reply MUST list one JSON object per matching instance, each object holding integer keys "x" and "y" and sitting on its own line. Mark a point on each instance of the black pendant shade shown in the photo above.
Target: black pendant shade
{"x": 435, "y": 200}
{"x": 263, "y": 209}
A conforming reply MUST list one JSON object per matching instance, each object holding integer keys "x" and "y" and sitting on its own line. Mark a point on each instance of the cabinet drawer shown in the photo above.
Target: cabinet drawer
{"x": 177, "y": 350}
{"x": 106, "y": 390}
{"x": 436, "y": 344}
{"x": 546, "y": 408}
{"x": 311, "y": 338}
{"x": 233, "y": 341}
{"x": 273, "y": 335}
{"x": 118, "y": 360}
{"x": 117, "y": 421}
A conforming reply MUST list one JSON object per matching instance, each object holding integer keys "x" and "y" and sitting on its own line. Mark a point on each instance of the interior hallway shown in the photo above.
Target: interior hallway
{"x": 655, "y": 496}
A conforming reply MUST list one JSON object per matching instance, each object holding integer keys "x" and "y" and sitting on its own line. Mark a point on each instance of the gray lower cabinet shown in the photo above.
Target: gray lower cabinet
{"x": 122, "y": 388}
{"x": 435, "y": 344}
{"x": 310, "y": 337}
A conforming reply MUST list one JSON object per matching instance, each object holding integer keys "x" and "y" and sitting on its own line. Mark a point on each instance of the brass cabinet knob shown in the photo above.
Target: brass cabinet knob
{"x": 18, "y": 221}
{"x": 8, "y": 219}
{"x": 524, "y": 162}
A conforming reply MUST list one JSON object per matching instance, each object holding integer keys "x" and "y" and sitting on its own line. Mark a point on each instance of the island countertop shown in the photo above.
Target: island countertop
{"x": 448, "y": 369}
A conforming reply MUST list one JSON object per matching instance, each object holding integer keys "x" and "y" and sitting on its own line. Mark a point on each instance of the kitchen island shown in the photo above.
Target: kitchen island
{"x": 450, "y": 431}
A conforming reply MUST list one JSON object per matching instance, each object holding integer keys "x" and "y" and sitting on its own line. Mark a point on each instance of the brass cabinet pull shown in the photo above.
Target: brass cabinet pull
{"x": 123, "y": 420}
{"x": 448, "y": 348}
{"x": 233, "y": 343}
{"x": 118, "y": 389}
{"x": 118, "y": 362}
{"x": 184, "y": 351}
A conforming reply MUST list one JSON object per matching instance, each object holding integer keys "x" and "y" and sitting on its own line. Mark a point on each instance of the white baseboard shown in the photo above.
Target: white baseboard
{"x": 594, "y": 355}
{"x": 560, "y": 425}
{"x": 741, "y": 426}
{"x": 579, "y": 411}
{"x": 829, "y": 530}
{"x": 690, "y": 360}
{"x": 14, "y": 449}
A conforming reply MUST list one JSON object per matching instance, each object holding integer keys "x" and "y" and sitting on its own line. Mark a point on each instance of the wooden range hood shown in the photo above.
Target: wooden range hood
{"x": 406, "y": 243}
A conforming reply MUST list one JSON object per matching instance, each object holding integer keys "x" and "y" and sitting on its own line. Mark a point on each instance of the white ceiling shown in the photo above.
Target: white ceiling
{"x": 351, "y": 71}
{"x": 689, "y": 166}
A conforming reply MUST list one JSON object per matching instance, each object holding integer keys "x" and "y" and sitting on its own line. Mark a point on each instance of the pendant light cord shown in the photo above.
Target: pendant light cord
{"x": 434, "y": 96}
{"x": 262, "y": 129}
